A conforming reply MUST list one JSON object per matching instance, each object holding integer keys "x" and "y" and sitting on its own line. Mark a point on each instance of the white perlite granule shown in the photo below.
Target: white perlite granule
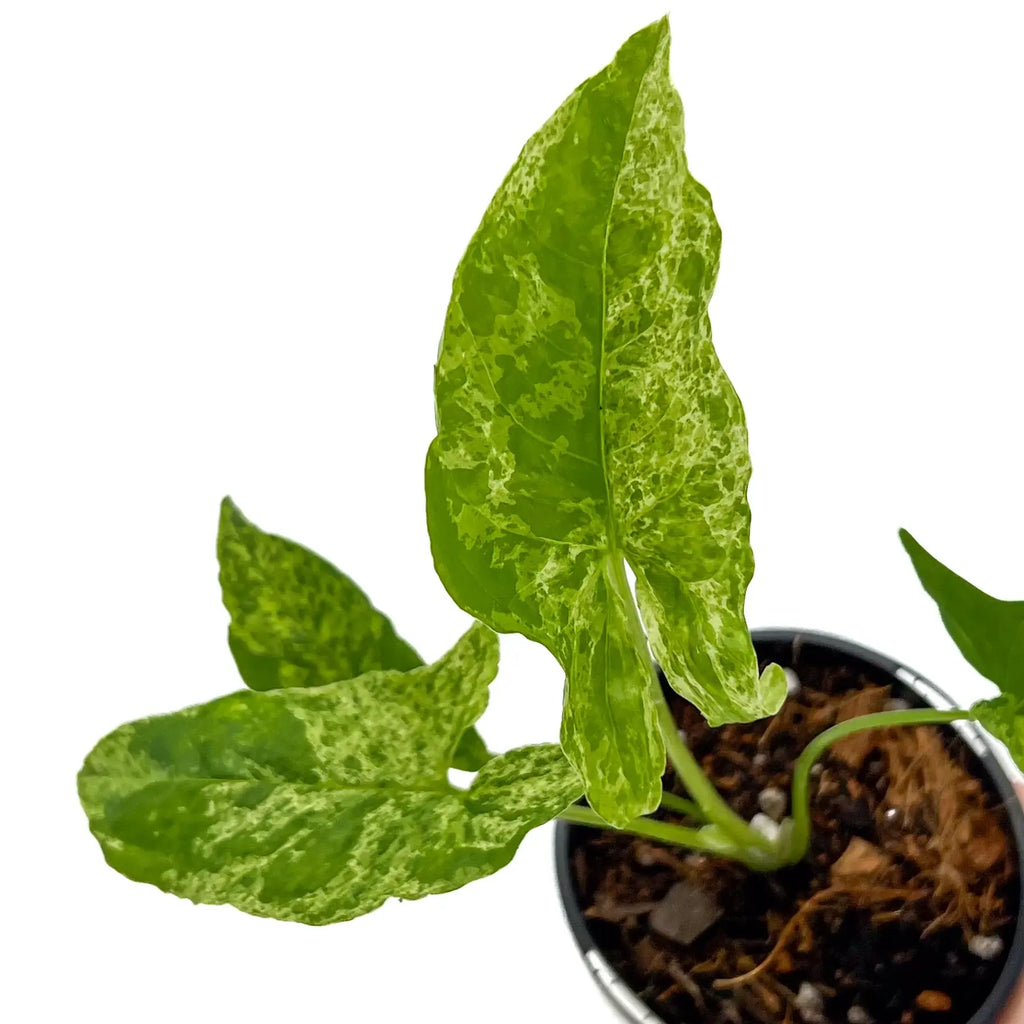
{"x": 896, "y": 704}
{"x": 773, "y": 802}
{"x": 986, "y": 947}
{"x": 768, "y": 827}
{"x": 810, "y": 1002}
{"x": 792, "y": 681}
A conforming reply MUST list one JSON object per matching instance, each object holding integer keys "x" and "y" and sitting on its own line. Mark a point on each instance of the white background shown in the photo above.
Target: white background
{"x": 227, "y": 237}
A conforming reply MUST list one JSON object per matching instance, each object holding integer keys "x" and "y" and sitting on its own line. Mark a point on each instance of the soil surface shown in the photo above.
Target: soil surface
{"x": 901, "y": 914}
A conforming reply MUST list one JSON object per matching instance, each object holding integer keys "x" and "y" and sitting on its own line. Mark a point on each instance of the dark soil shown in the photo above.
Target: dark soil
{"x": 911, "y": 859}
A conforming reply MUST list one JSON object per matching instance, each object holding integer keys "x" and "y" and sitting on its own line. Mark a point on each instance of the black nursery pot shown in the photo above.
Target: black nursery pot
{"x": 782, "y": 646}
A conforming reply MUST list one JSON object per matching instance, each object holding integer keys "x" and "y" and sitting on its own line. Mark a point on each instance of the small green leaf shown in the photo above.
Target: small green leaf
{"x": 989, "y": 633}
{"x": 584, "y": 421}
{"x": 318, "y": 804}
{"x": 296, "y": 620}
{"x": 1003, "y": 716}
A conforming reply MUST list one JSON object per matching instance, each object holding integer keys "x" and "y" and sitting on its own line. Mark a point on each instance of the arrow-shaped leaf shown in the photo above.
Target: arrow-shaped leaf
{"x": 990, "y": 635}
{"x": 296, "y": 620}
{"x": 584, "y": 421}
{"x": 316, "y": 805}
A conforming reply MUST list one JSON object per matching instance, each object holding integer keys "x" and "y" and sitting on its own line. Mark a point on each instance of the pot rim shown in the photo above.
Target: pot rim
{"x": 619, "y": 991}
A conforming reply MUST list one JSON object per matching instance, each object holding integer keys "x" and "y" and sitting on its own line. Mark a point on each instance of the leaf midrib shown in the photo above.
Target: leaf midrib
{"x": 614, "y": 552}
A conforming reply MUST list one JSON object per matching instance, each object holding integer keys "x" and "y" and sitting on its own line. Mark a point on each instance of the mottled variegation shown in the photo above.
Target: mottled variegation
{"x": 316, "y": 805}
{"x": 296, "y": 620}
{"x": 584, "y": 421}
{"x": 990, "y": 634}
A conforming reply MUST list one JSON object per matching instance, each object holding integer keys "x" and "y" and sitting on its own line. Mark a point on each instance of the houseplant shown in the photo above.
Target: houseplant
{"x": 583, "y": 422}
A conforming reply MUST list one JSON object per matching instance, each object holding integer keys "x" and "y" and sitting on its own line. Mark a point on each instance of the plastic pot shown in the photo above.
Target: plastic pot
{"x": 779, "y": 645}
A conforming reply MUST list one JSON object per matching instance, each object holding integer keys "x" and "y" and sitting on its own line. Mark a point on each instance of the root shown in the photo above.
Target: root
{"x": 834, "y": 893}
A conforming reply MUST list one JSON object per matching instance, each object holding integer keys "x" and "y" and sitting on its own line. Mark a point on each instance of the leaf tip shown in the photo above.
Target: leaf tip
{"x": 657, "y": 32}
{"x": 921, "y": 559}
{"x": 229, "y": 512}
{"x": 645, "y": 46}
{"x": 774, "y": 687}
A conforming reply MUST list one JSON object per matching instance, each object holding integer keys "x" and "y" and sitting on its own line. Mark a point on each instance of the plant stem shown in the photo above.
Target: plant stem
{"x": 699, "y": 786}
{"x": 660, "y": 831}
{"x": 678, "y": 805}
{"x": 713, "y": 807}
{"x": 801, "y": 834}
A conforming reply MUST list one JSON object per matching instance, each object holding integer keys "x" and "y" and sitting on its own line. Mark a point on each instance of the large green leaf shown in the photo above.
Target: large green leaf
{"x": 989, "y": 633}
{"x": 297, "y": 621}
{"x": 584, "y": 420}
{"x": 316, "y": 805}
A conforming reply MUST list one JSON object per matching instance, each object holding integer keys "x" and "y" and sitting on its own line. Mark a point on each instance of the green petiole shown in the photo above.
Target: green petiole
{"x": 728, "y": 835}
{"x": 680, "y": 805}
{"x": 704, "y": 840}
{"x": 713, "y": 809}
{"x": 801, "y": 802}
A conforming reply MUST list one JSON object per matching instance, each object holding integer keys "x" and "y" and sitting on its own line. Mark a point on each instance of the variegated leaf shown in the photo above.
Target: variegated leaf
{"x": 584, "y": 421}
{"x": 296, "y": 620}
{"x": 316, "y": 805}
{"x": 990, "y": 635}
